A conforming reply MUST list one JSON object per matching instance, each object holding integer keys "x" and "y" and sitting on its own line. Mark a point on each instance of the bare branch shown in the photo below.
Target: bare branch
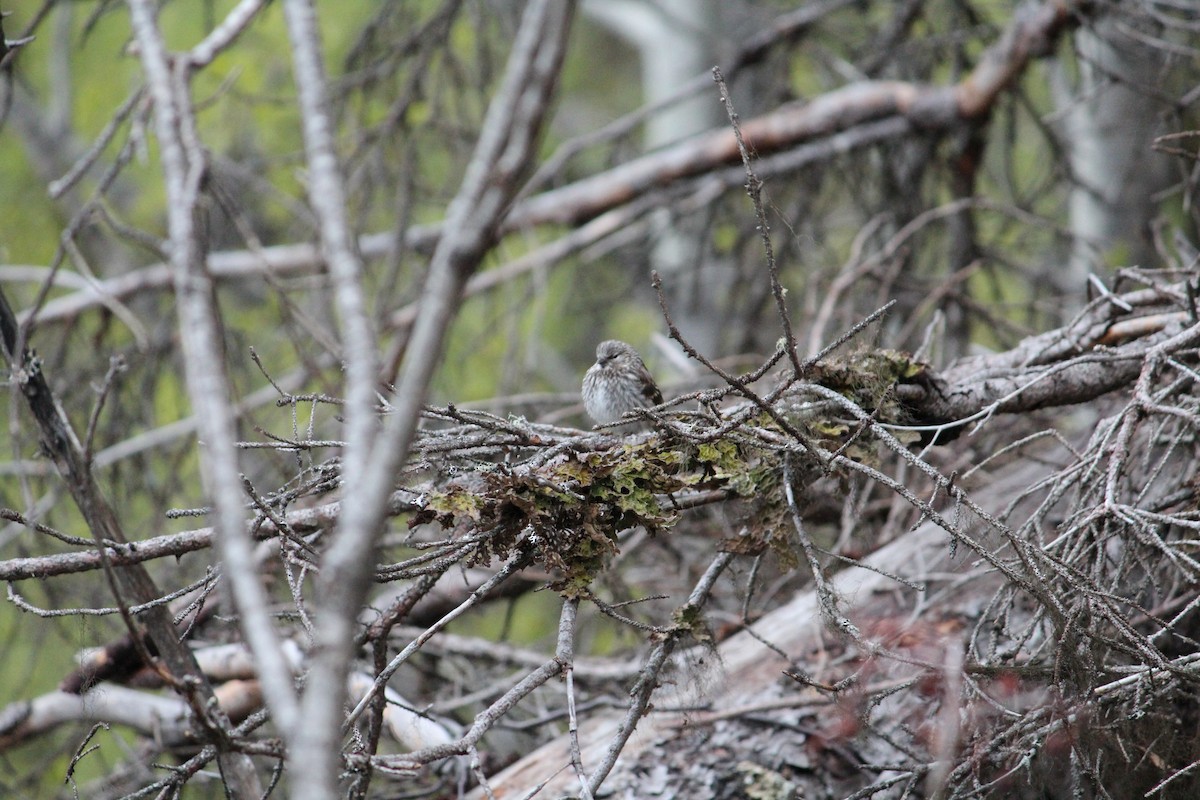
{"x": 184, "y": 168}
{"x": 514, "y": 119}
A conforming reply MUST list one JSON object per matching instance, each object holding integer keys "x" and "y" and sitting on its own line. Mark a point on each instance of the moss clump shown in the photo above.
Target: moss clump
{"x": 565, "y": 514}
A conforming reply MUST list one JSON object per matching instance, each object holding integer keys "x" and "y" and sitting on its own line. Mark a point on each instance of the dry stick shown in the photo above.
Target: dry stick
{"x": 825, "y": 593}
{"x": 116, "y": 365}
{"x": 60, "y": 186}
{"x": 739, "y": 384}
{"x": 183, "y": 164}
{"x": 38, "y": 527}
{"x": 487, "y": 718}
{"x": 225, "y": 33}
{"x": 787, "y": 26}
{"x": 123, "y": 610}
{"x": 475, "y": 764}
{"x": 644, "y": 688}
{"x": 754, "y": 190}
{"x": 60, "y": 442}
{"x": 327, "y": 195}
{"x": 567, "y": 654}
{"x": 507, "y": 144}
{"x": 514, "y": 565}
{"x": 1036, "y": 583}
{"x": 174, "y": 544}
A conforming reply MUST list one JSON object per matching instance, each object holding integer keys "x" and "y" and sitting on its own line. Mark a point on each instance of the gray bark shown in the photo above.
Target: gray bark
{"x": 1114, "y": 115}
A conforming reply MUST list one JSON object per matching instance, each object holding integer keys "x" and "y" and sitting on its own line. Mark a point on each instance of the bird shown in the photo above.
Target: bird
{"x": 617, "y": 383}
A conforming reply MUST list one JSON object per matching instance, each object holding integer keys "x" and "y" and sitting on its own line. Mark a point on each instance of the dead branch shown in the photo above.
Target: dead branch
{"x": 833, "y": 117}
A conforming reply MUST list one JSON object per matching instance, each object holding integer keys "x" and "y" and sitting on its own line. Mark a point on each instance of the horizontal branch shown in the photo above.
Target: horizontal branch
{"x": 1061, "y": 367}
{"x": 1103, "y": 350}
{"x": 302, "y": 521}
{"x": 902, "y": 107}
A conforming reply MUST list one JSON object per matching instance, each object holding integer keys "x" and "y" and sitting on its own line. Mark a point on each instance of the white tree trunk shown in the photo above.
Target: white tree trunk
{"x": 1113, "y": 119}
{"x": 676, "y": 41}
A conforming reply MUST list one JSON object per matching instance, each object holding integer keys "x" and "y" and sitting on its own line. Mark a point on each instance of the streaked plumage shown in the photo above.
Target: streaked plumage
{"x": 618, "y": 382}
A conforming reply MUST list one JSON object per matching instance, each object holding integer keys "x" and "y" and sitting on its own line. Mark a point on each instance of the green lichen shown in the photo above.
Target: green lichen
{"x": 866, "y": 377}
{"x": 566, "y": 515}
{"x": 761, "y": 783}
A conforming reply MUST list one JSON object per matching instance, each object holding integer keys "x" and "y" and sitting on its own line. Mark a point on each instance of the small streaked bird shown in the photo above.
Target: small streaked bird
{"x": 617, "y": 382}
